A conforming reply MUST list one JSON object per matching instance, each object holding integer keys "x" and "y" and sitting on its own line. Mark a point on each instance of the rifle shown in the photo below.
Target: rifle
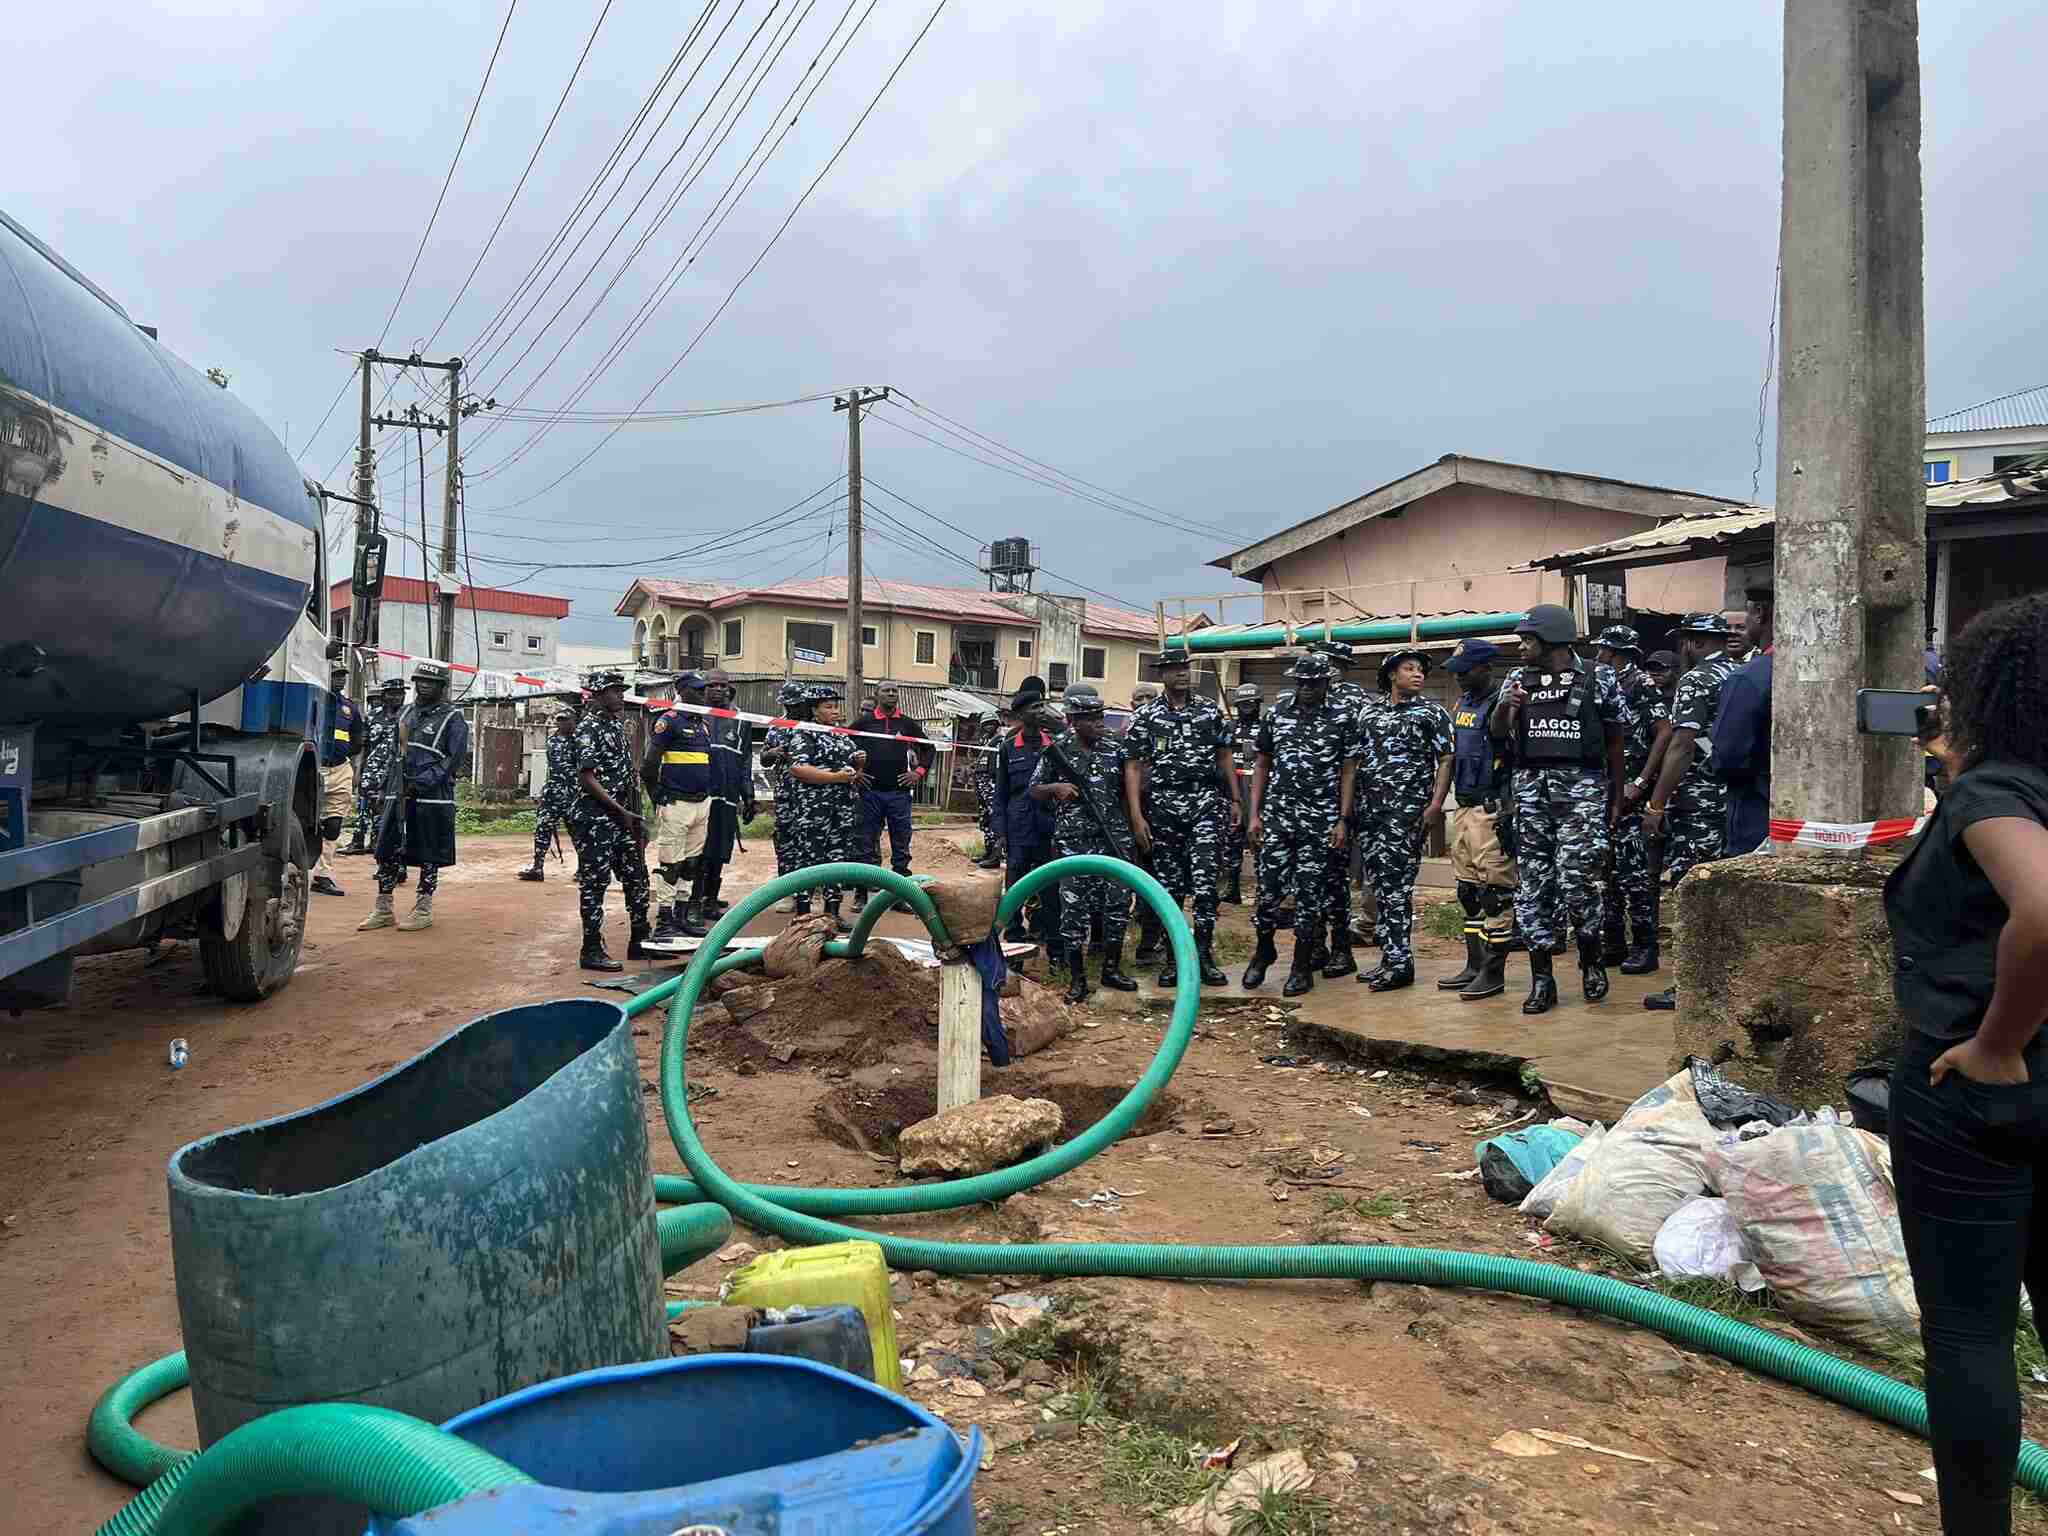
{"x": 1072, "y": 775}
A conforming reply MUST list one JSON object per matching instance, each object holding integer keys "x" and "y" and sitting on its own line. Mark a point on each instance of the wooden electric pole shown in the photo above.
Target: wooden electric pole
{"x": 361, "y": 610}
{"x": 451, "y": 497}
{"x": 855, "y": 656}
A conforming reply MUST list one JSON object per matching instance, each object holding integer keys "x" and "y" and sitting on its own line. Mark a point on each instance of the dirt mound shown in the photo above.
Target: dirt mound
{"x": 848, "y": 1013}
{"x": 869, "y": 1119}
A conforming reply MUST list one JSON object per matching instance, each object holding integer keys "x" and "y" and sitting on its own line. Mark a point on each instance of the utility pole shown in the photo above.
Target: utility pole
{"x": 1850, "y": 560}
{"x": 444, "y": 649}
{"x": 362, "y": 616}
{"x": 420, "y": 422}
{"x": 851, "y": 404}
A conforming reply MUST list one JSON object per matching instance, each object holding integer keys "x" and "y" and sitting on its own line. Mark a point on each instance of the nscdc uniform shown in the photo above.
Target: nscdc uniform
{"x": 1481, "y": 775}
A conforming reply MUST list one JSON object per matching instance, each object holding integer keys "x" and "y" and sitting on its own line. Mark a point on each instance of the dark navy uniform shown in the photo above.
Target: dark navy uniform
{"x": 1027, "y": 823}
{"x": 603, "y": 847}
{"x": 1481, "y": 789}
{"x": 679, "y": 758}
{"x": 732, "y": 791}
{"x": 418, "y": 815}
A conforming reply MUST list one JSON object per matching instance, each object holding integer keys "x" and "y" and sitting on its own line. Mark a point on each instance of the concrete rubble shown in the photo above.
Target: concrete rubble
{"x": 979, "y": 1137}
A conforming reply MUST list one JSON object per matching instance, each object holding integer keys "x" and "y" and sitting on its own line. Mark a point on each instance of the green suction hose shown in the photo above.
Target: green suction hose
{"x": 392, "y": 1462}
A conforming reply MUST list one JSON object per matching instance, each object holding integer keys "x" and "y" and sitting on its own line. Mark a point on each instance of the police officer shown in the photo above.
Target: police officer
{"x": 380, "y": 730}
{"x": 1184, "y": 785}
{"x": 1333, "y": 956}
{"x": 987, "y": 733}
{"x": 1631, "y": 892}
{"x": 1083, "y": 776}
{"x": 1027, "y": 822}
{"x": 1145, "y": 697}
{"x": 558, "y": 793}
{"x": 607, "y": 824}
{"x": 1244, "y": 734}
{"x": 794, "y": 700}
{"x": 831, "y": 768}
{"x": 1301, "y": 812}
{"x": 1567, "y": 721}
{"x": 680, "y": 779}
{"x": 1687, "y": 805}
{"x": 418, "y": 824}
{"x": 732, "y": 791}
{"x": 1481, "y": 775}
{"x": 1411, "y": 778}
{"x": 347, "y": 736}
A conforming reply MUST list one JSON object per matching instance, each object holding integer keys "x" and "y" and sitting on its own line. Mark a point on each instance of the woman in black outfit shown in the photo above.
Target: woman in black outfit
{"x": 1968, "y": 910}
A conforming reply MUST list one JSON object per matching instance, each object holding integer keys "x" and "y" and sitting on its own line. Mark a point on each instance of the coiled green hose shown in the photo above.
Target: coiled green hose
{"x": 709, "y": 1199}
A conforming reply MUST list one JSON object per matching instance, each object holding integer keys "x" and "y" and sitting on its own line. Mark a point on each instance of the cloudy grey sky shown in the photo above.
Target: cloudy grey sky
{"x": 1237, "y": 262}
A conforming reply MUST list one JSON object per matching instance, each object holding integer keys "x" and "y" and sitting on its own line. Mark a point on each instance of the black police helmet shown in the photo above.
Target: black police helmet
{"x": 1552, "y": 623}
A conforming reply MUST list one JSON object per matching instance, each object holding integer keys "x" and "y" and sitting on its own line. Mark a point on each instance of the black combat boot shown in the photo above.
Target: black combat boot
{"x": 665, "y": 924}
{"x": 1151, "y": 937}
{"x": 802, "y": 908}
{"x": 1263, "y": 955}
{"x": 1492, "y": 979}
{"x": 1662, "y": 1002}
{"x": 1212, "y": 973}
{"x": 636, "y": 943}
{"x": 832, "y": 911}
{"x": 1113, "y": 976}
{"x": 690, "y": 920}
{"x": 1592, "y": 972}
{"x": 1233, "y": 888}
{"x": 712, "y": 908}
{"x": 1393, "y": 978}
{"x": 1077, "y": 973}
{"x": 1169, "y": 973}
{"x": 1542, "y": 984}
{"x": 1642, "y": 954}
{"x": 1339, "y": 960}
{"x": 1613, "y": 941}
{"x": 1301, "y": 969}
{"x": 538, "y": 871}
{"x": 594, "y": 957}
{"x": 1475, "y": 961}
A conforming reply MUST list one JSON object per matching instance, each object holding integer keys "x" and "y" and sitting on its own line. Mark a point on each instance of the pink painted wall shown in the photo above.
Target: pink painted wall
{"x": 1692, "y": 586}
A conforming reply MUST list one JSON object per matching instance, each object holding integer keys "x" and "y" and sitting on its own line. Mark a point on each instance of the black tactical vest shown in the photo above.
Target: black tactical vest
{"x": 1560, "y": 725}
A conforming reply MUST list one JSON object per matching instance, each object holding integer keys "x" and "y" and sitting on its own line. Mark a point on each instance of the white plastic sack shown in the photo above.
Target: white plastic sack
{"x": 1817, "y": 1209}
{"x": 1701, "y": 1240}
{"x": 1542, "y": 1200}
{"x": 1651, "y": 1163}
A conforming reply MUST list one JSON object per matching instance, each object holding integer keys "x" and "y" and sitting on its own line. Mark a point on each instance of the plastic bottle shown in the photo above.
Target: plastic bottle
{"x": 180, "y": 1053}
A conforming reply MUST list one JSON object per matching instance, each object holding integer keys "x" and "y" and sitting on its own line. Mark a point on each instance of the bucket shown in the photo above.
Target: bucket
{"x": 477, "y": 1220}
{"x": 751, "y": 1445}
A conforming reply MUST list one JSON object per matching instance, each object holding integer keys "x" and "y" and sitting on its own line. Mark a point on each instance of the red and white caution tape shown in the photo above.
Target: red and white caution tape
{"x": 1840, "y": 835}
{"x": 456, "y": 666}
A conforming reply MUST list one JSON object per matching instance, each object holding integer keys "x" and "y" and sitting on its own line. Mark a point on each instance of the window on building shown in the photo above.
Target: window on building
{"x": 732, "y": 637}
{"x": 2017, "y": 463}
{"x": 1938, "y": 471}
{"x": 1024, "y": 649}
{"x": 1055, "y": 676}
{"x": 927, "y": 647}
{"x": 870, "y": 637}
{"x": 1094, "y": 662}
{"x": 501, "y": 638}
{"x": 808, "y": 637}
{"x": 536, "y": 643}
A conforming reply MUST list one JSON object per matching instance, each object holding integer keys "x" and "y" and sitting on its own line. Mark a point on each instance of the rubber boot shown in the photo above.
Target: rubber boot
{"x": 1233, "y": 889}
{"x": 1662, "y": 1002}
{"x": 1393, "y": 978}
{"x": 537, "y": 872}
{"x": 665, "y": 923}
{"x": 692, "y": 922}
{"x": 860, "y": 901}
{"x": 594, "y": 957}
{"x": 832, "y": 911}
{"x": 421, "y": 915}
{"x": 1301, "y": 969}
{"x": 710, "y": 909}
{"x": 1592, "y": 972}
{"x": 1151, "y": 938}
{"x": 1613, "y": 941}
{"x": 380, "y": 915}
{"x": 1212, "y": 973}
{"x": 1169, "y": 973}
{"x": 801, "y": 907}
{"x": 1475, "y": 962}
{"x": 1542, "y": 984}
{"x": 1341, "y": 962}
{"x": 1263, "y": 955}
{"x": 1077, "y": 973}
{"x": 636, "y": 944}
{"x": 1113, "y": 976}
{"x": 1641, "y": 961}
{"x": 1492, "y": 979}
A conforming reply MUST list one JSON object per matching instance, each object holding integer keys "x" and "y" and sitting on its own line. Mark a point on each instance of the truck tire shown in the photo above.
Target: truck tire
{"x": 262, "y": 956}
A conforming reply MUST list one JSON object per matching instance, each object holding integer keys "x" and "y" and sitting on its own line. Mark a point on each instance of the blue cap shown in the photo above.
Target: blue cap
{"x": 1473, "y": 653}
{"x": 693, "y": 680}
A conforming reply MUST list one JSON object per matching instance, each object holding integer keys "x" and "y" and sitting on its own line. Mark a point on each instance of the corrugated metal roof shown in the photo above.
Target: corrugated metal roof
{"x": 410, "y": 589}
{"x": 973, "y": 605}
{"x": 2021, "y": 408}
{"x": 1988, "y": 491}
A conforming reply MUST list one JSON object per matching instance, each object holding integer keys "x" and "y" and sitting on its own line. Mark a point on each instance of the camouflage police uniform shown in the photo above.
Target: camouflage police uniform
{"x": 1695, "y": 819}
{"x": 1632, "y": 892}
{"x": 1561, "y": 814}
{"x": 557, "y": 795}
{"x": 1357, "y": 704}
{"x": 1306, "y": 751}
{"x": 375, "y": 767}
{"x": 1409, "y": 738}
{"x": 1244, "y": 735}
{"x": 780, "y": 739}
{"x": 827, "y": 825}
{"x": 1084, "y": 898}
{"x": 984, "y": 772}
{"x": 603, "y": 847}
{"x": 1187, "y": 810}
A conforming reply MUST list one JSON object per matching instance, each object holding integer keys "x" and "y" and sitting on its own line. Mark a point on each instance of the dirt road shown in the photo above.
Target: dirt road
{"x": 1397, "y": 1395}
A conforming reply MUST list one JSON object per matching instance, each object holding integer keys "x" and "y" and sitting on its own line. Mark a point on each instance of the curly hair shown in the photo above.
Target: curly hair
{"x": 1996, "y": 679}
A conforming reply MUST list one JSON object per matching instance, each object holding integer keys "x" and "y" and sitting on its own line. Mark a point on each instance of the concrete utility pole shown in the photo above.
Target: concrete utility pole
{"x": 362, "y": 616}
{"x": 1851, "y": 525}
{"x": 851, "y": 404}
{"x": 451, "y": 496}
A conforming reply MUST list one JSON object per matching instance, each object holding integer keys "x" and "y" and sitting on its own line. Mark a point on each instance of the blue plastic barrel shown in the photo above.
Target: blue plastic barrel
{"x": 753, "y": 1445}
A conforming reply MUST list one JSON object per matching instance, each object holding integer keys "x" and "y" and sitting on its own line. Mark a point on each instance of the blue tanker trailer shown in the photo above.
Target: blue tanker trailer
{"x": 163, "y": 651}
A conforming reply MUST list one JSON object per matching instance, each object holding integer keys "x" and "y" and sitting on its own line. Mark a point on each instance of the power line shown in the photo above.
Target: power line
{"x": 754, "y": 266}
{"x": 1763, "y": 392}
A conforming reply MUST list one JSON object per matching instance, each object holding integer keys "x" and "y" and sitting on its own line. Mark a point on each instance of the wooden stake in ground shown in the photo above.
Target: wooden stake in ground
{"x": 959, "y": 1035}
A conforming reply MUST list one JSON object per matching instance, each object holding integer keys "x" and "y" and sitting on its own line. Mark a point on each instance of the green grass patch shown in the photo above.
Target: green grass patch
{"x": 1285, "y": 1512}
{"x": 1445, "y": 919}
{"x": 1085, "y": 1401}
{"x": 486, "y": 821}
{"x": 1153, "y": 1468}
{"x": 1730, "y": 1301}
{"x": 761, "y": 827}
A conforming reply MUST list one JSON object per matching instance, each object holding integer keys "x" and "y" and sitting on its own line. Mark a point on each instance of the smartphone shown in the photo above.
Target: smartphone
{"x": 1893, "y": 711}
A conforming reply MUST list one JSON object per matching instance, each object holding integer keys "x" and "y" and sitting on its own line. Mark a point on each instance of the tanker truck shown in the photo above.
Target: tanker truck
{"x": 163, "y": 652}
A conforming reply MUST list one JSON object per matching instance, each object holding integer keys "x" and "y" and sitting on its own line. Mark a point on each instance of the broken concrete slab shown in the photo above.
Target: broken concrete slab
{"x": 979, "y": 1137}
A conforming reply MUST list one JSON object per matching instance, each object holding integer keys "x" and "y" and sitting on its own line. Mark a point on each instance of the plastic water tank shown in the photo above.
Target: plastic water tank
{"x": 752, "y": 1445}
